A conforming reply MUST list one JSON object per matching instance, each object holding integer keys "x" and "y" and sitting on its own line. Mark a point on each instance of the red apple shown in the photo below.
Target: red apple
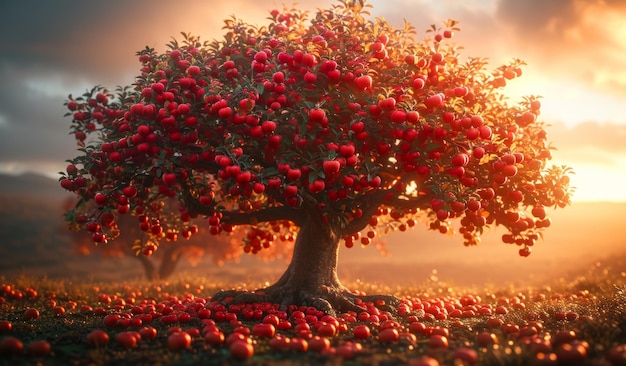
{"x": 346, "y": 150}
{"x": 331, "y": 167}
{"x": 178, "y": 341}
{"x": 169, "y": 178}
{"x": 363, "y": 82}
{"x": 317, "y": 186}
{"x": 316, "y": 115}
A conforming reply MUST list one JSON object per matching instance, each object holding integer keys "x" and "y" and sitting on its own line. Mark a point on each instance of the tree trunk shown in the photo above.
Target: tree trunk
{"x": 169, "y": 261}
{"x": 148, "y": 268}
{"x": 168, "y": 264}
{"x": 313, "y": 267}
{"x": 311, "y": 277}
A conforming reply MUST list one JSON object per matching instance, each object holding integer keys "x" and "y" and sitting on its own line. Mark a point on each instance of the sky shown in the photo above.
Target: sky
{"x": 574, "y": 50}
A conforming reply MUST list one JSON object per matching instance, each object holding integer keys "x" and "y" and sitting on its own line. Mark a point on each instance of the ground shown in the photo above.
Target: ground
{"x": 581, "y": 321}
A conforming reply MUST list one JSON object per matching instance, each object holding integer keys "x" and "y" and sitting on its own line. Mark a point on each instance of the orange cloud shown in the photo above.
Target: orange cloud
{"x": 604, "y": 136}
{"x": 572, "y": 39}
{"x": 597, "y": 153}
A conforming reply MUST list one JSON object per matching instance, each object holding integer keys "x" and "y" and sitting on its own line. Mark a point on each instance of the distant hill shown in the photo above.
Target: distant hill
{"x": 32, "y": 185}
{"x": 30, "y": 221}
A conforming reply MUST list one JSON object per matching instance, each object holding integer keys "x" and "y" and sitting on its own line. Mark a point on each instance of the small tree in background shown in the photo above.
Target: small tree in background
{"x": 329, "y": 131}
{"x": 162, "y": 263}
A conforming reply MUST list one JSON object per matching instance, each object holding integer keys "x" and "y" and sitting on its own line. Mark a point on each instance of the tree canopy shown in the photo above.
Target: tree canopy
{"x": 332, "y": 117}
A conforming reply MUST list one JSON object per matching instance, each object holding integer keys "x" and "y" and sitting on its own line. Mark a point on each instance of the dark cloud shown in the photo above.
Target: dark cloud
{"x": 34, "y": 128}
{"x": 50, "y": 35}
{"x": 99, "y": 39}
{"x": 50, "y": 49}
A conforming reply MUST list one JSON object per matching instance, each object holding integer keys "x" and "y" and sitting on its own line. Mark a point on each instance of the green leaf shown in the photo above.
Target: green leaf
{"x": 260, "y": 88}
{"x": 270, "y": 171}
{"x": 309, "y": 104}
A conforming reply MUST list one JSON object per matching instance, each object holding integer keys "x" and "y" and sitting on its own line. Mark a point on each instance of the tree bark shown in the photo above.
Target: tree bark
{"x": 169, "y": 261}
{"x": 311, "y": 277}
{"x": 313, "y": 266}
{"x": 148, "y": 268}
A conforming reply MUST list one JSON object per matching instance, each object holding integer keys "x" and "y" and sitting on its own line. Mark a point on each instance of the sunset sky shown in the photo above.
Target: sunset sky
{"x": 574, "y": 49}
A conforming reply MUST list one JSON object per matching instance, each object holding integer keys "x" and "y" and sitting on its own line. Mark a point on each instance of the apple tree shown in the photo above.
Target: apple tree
{"x": 160, "y": 262}
{"x": 327, "y": 129}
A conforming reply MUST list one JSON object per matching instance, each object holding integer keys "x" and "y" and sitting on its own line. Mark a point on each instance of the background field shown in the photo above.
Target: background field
{"x": 584, "y": 235}
{"x": 578, "y": 271}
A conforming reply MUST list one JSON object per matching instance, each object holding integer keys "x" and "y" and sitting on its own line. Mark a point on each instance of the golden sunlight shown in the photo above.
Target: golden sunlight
{"x": 597, "y": 183}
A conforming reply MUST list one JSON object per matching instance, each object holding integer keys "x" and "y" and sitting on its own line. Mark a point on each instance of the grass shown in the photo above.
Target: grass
{"x": 592, "y": 306}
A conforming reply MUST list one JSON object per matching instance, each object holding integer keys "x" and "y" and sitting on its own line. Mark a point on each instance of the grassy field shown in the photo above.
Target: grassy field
{"x": 553, "y": 309}
{"x": 578, "y": 322}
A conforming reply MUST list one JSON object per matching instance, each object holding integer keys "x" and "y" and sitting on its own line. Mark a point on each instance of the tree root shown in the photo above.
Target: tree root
{"x": 329, "y": 300}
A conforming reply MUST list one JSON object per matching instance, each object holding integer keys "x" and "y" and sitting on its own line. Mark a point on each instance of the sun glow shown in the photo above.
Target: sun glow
{"x": 565, "y": 101}
{"x": 597, "y": 183}
{"x": 411, "y": 188}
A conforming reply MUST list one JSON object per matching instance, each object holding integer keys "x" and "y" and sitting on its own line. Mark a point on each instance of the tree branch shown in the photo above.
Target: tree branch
{"x": 369, "y": 204}
{"x": 406, "y": 202}
{"x": 274, "y": 213}
{"x": 419, "y": 201}
{"x": 194, "y": 206}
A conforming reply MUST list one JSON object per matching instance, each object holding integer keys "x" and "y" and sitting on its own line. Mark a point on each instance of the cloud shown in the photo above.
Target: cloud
{"x": 555, "y": 17}
{"x": 537, "y": 16}
{"x": 583, "y": 40}
{"x": 54, "y": 48}
{"x": 597, "y": 154}
{"x": 98, "y": 40}
{"x": 475, "y": 16}
{"x": 593, "y": 135}
{"x": 34, "y": 128}
{"x": 50, "y": 38}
